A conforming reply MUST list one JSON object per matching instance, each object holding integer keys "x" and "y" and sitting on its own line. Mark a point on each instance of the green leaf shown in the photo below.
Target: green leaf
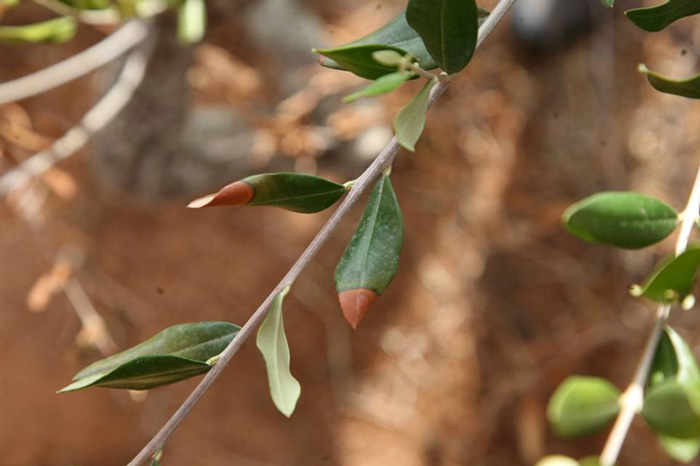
{"x": 386, "y": 83}
{"x": 590, "y": 461}
{"x": 448, "y": 28}
{"x": 582, "y": 405}
{"x": 55, "y": 30}
{"x": 410, "y": 121}
{"x": 656, "y": 18}
{"x": 192, "y": 21}
{"x": 371, "y": 259}
{"x": 689, "y": 87}
{"x": 664, "y": 366}
{"x": 396, "y": 34}
{"x": 682, "y": 450}
{"x": 272, "y": 343}
{"x": 674, "y": 279}
{"x": 669, "y": 409}
{"x": 174, "y": 354}
{"x": 359, "y": 59}
{"x": 624, "y": 219}
{"x": 557, "y": 460}
{"x": 291, "y": 191}
{"x": 608, "y": 3}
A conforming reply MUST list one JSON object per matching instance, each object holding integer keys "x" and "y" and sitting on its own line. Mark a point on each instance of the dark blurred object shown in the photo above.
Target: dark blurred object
{"x": 542, "y": 25}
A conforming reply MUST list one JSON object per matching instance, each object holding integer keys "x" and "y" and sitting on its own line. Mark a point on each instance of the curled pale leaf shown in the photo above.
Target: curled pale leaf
{"x": 410, "y": 121}
{"x": 272, "y": 343}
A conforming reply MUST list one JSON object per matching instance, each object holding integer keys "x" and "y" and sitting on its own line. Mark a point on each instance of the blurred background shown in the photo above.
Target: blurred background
{"x": 493, "y": 305}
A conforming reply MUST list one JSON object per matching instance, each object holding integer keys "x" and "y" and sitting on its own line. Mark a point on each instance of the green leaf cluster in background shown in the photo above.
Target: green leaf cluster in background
{"x": 582, "y": 406}
{"x": 674, "y": 279}
{"x": 272, "y": 343}
{"x": 624, "y": 219}
{"x": 672, "y": 403}
{"x": 54, "y": 30}
{"x": 174, "y": 354}
{"x": 448, "y": 28}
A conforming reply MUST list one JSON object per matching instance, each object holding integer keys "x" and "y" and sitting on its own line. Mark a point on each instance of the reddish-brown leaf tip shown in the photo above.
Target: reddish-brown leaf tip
{"x": 237, "y": 193}
{"x": 355, "y": 304}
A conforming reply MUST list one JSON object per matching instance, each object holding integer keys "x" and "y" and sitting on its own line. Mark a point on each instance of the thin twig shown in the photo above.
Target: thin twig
{"x": 365, "y": 181}
{"x": 632, "y": 399}
{"x": 104, "y": 111}
{"x": 113, "y": 46}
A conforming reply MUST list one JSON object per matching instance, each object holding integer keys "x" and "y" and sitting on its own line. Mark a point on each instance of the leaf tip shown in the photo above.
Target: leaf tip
{"x": 355, "y": 304}
{"x": 235, "y": 194}
{"x": 642, "y": 68}
{"x": 201, "y": 202}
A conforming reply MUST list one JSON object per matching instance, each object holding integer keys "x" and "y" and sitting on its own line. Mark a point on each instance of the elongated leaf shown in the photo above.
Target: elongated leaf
{"x": 668, "y": 410}
{"x": 448, "y": 29}
{"x": 359, "y": 59}
{"x": 291, "y": 191}
{"x": 410, "y": 121}
{"x": 656, "y": 18}
{"x": 674, "y": 279}
{"x": 386, "y": 83}
{"x": 689, "y": 87}
{"x": 665, "y": 363}
{"x": 372, "y": 257}
{"x": 192, "y": 21}
{"x": 54, "y": 30}
{"x": 683, "y": 450}
{"x": 272, "y": 343}
{"x": 557, "y": 460}
{"x": 624, "y": 219}
{"x": 174, "y": 354}
{"x": 582, "y": 405}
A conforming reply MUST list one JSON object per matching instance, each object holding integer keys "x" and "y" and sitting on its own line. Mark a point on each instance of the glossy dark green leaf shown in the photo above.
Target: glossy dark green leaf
{"x": 386, "y": 83}
{"x": 582, "y": 405}
{"x": 291, "y": 191}
{"x": 448, "y": 28}
{"x": 192, "y": 21}
{"x": 358, "y": 59}
{"x": 372, "y": 257}
{"x": 674, "y": 279}
{"x": 689, "y": 87}
{"x": 671, "y": 410}
{"x": 174, "y": 354}
{"x": 682, "y": 450}
{"x": 656, "y": 18}
{"x": 624, "y": 219}
{"x": 272, "y": 343}
{"x": 55, "y": 30}
{"x": 410, "y": 121}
